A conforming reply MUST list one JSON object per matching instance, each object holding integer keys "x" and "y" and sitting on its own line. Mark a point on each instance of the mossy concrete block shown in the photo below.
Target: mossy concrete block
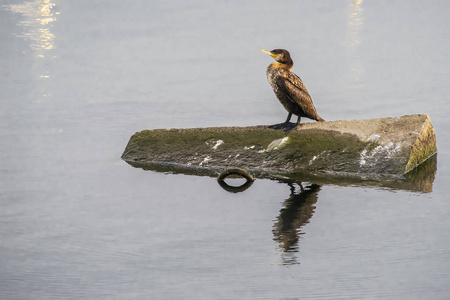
{"x": 375, "y": 149}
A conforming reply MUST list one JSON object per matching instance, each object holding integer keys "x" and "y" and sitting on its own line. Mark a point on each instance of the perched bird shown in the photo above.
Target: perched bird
{"x": 289, "y": 89}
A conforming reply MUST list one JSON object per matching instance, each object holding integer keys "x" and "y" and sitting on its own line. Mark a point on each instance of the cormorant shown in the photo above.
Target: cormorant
{"x": 289, "y": 89}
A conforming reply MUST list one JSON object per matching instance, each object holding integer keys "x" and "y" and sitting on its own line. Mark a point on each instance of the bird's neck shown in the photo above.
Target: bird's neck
{"x": 286, "y": 66}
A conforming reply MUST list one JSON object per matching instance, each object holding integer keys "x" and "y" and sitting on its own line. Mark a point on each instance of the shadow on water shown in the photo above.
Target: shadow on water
{"x": 419, "y": 179}
{"x": 296, "y": 212}
{"x": 299, "y": 207}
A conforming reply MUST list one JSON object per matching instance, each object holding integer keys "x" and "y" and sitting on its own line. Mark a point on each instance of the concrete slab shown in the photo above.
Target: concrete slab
{"x": 375, "y": 150}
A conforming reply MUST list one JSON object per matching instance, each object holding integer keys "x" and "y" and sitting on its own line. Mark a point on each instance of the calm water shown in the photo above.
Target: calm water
{"x": 78, "y": 78}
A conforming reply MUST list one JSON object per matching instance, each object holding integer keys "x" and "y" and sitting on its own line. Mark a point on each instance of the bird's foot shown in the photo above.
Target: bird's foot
{"x": 287, "y": 126}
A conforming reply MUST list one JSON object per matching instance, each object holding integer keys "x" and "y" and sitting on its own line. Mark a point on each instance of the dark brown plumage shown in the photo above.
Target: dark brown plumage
{"x": 289, "y": 89}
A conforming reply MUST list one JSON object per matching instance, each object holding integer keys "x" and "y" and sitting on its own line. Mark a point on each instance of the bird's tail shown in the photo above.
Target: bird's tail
{"x": 319, "y": 119}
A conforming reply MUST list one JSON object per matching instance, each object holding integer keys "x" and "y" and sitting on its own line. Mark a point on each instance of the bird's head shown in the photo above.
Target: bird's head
{"x": 280, "y": 55}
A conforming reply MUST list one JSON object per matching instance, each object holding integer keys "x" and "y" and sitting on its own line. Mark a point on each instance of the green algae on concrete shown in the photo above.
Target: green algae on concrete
{"x": 376, "y": 149}
{"x": 248, "y": 148}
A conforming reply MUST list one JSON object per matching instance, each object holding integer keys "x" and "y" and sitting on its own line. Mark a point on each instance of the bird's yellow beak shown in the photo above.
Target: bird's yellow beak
{"x": 268, "y": 52}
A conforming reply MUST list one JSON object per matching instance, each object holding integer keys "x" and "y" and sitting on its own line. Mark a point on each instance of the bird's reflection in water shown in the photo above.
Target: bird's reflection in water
{"x": 296, "y": 212}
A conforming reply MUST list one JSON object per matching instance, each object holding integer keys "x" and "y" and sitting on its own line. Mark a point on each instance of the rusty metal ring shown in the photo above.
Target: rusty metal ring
{"x": 235, "y": 189}
{"x": 236, "y": 171}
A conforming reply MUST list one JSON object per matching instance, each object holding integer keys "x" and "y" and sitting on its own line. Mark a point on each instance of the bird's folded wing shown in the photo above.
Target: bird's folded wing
{"x": 297, "y": 93}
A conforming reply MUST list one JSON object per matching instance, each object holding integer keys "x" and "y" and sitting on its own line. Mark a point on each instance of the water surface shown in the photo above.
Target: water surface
{"x": 77, "y": 79}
